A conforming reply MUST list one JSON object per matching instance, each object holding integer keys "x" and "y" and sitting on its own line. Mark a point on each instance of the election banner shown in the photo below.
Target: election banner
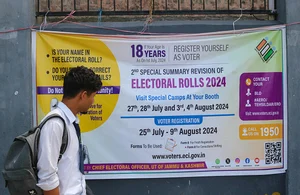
{"x": 173, "y": 106}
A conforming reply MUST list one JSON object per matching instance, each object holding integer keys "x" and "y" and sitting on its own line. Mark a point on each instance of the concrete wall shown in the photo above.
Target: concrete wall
{"x": 263, "y": 185}
{"x": 15, "y": 73}
{"x": 293, "y": 51}
{"x": 16, "y": 104}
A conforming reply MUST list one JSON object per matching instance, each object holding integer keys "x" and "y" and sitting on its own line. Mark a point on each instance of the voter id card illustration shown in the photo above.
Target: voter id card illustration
{"x": 170, "y": 144}
{"x": 53, "y": 104}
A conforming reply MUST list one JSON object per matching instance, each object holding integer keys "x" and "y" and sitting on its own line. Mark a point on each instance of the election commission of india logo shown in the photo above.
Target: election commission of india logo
{"x": 265, "y": 49}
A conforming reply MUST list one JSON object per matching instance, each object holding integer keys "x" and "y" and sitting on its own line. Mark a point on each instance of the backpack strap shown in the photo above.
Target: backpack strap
{"x": 64, "y": 137}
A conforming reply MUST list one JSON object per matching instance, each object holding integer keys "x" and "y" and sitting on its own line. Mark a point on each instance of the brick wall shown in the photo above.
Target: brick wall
{"x": 134, "y": 5}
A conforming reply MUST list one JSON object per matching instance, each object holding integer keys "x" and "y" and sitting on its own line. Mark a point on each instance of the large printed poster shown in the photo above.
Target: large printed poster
{"x": 173, "y": 106}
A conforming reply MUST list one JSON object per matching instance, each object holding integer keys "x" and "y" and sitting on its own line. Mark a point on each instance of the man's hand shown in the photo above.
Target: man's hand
{"x": 52, "y": 192}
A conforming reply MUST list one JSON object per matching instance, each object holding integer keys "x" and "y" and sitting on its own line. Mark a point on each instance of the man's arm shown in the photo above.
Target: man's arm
{"x": 52, "y": 192}
{"x": 48, "y": 153}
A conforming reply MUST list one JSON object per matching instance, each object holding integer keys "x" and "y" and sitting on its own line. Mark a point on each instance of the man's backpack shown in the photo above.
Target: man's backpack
{"x": 20, "y": 166}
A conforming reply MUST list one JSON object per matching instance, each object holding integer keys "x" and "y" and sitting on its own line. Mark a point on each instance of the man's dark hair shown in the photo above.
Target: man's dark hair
{"x": 81, "y": 79}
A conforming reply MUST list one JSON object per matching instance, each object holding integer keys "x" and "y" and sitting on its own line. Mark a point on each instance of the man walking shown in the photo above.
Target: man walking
{"x": 66, "y": 177}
